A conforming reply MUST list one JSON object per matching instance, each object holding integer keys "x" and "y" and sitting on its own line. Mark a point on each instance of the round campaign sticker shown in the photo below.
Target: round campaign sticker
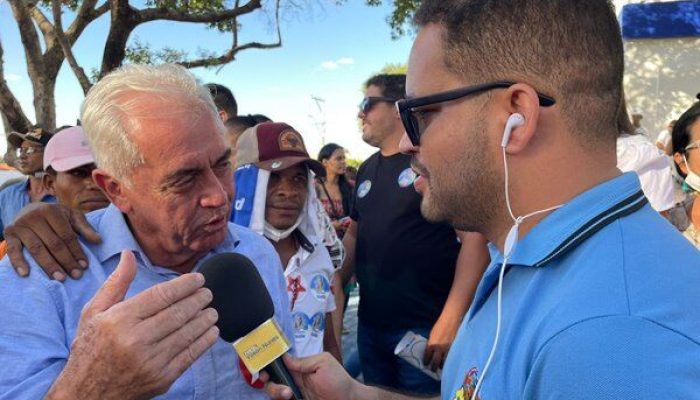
{"x": 364, "y": 188}
{"x": 320, "y": 287}
{"x": 318, "y": 324}
{"x": 407, "y": 177}
{"x": 276, "y": 164}
{"x": 302, "y": 325}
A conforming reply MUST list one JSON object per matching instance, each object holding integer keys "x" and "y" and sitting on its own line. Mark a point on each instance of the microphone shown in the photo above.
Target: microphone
{"x": 246, "y": 316}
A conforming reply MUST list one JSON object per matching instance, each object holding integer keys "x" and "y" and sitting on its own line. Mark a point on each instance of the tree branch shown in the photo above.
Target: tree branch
{"x": 9, "y": 105}
{"x": 152, "y": 14}
{"x": 44, "y": 25}
{"x": 85, "y": 14}
{"x": 235, "y": 48}
{"x": 28, "y": 34}
{"x": 66, "y": 47}
{"x": 82, "y": 20}
{"x": 123, "y": 20}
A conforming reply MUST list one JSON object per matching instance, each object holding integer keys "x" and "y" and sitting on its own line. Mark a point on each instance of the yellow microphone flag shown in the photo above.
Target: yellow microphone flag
{"x": 262, "y": 346}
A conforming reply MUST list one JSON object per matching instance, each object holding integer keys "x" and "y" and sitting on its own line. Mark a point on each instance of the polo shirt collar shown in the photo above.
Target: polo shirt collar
{"x": 577, "y": 220}
{"x": 116, "y": 237}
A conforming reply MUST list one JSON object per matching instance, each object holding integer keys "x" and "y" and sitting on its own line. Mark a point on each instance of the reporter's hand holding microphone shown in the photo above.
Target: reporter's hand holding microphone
{"x": 246, "y": 319}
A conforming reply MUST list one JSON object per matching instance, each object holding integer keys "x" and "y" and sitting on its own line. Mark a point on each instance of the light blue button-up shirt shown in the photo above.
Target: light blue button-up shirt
{"x": 39, "y": 317}
{"x": 601, "y": 300}
{"x": 13, "y": 198}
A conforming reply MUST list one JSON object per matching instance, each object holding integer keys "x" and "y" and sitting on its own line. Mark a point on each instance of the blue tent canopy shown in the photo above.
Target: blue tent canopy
{"x": 661, "y": 20}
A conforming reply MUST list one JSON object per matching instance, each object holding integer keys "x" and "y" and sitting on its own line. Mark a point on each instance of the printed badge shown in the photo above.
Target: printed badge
{"x": 364, "y": 188}
{"x": 407, "y": 177}
{"x": 318, "y": 324}
{"x": 302, "y": 325}
{"x": 465, "y": 392}
{"x": 320, "y": 287}
{"x": 290, "y": 140}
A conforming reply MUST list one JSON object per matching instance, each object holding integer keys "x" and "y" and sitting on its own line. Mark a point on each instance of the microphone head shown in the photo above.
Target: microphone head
{"x": 240, "y": 295}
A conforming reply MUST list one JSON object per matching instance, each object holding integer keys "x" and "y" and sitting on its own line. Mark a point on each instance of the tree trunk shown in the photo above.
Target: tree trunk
{"x": 123, "y": 21}
{"x": 10, "y": 155}
{"x": 45, "y": 101}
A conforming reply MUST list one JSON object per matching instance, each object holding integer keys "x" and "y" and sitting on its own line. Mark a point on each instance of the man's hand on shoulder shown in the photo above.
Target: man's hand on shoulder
{"x": 50, "y": 234}
{"x": 137, "y": 348}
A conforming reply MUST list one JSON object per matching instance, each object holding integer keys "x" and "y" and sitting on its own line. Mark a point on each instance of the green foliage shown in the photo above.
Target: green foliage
{"x": 141, "y": 53}
{"x": 195, "y": 7}
{"x": 394, "y": 68}
{"x": 353, "y": 162}
{"x": 71, "y": 4}
{"x": 400, "y": 18}
{"x": 191, "y": 6}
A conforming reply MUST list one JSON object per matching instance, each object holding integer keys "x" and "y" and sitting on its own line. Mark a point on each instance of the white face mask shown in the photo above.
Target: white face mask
{"x": 276, "y": 235}
{"x": 692, "y": 179}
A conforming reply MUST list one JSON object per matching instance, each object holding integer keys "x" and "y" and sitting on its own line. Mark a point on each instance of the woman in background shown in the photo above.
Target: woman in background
{"x": 686, "y": 153}
{"x": 335, "y": 191}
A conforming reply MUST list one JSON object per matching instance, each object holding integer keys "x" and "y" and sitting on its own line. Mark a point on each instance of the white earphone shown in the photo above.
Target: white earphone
{"x": 515, "y": 120}
{"x": 511, "y": 242}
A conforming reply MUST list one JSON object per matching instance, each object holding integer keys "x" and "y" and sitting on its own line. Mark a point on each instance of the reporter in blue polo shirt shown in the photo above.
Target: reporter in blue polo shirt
{"x": 511, "y": 120}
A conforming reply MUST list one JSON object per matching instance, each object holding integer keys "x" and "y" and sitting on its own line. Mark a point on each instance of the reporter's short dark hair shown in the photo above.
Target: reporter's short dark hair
{"x": 569, "y": 49}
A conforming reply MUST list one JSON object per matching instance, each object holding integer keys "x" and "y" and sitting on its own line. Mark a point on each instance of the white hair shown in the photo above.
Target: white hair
{"x": 114, "y": 106}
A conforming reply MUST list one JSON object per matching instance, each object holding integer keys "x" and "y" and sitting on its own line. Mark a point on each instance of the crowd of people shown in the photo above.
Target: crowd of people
{"x": 514, "y": 218}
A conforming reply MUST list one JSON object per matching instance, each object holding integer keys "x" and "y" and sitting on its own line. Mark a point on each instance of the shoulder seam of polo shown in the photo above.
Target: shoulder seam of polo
{"x": 624, "y": 267}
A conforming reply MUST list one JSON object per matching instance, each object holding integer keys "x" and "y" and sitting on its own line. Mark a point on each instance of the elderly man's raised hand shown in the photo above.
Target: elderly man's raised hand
{"x": 50, "y": 234}
{"x": 136, "y": 348}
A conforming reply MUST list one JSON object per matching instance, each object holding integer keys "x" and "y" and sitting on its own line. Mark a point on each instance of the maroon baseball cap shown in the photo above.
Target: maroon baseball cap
{"x": 274, "y": 146}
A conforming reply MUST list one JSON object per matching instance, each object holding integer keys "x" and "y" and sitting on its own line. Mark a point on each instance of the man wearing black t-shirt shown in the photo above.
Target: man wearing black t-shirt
{"x": 414, "y": 275}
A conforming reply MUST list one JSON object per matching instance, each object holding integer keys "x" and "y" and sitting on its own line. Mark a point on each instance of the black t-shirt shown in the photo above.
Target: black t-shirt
{"x": 404, "y": 264}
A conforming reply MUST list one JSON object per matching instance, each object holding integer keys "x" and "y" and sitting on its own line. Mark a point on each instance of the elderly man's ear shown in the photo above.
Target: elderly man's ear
{"x": 112, "y": 188}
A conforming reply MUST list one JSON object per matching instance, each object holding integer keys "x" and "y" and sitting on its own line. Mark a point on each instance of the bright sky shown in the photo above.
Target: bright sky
{"x": 328, "y": 54}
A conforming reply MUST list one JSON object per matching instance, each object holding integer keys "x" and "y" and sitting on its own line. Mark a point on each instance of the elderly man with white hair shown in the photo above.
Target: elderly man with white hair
{"x": 137, "y": 324}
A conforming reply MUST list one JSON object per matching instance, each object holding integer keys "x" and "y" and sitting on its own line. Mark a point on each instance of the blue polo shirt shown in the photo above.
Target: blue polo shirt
{"x": 13, "y": 198}
{"x": 601, "y": 300}
{"x": 39, "y": 317}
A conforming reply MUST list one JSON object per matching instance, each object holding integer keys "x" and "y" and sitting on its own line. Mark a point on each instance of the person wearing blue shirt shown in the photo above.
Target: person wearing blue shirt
{"x": 511, "y": 120}
{"x": 13, "y": 198}
{"x": 137, "y": 324}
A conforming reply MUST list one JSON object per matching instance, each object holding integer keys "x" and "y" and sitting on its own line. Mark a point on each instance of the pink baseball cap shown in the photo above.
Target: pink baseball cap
{"x": 67, "y": 149}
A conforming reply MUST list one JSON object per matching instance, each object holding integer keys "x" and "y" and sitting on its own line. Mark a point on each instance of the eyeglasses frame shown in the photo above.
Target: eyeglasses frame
{"x": 406, "y": 107}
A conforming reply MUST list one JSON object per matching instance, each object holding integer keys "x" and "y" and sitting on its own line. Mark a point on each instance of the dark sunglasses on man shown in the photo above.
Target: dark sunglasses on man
{"x": 368, "y": 102}
{"x": 413, "y": 119}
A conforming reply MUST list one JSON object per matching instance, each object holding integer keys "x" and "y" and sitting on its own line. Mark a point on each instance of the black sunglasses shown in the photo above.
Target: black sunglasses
{"x": 413, "y": 120}
{"x": 368, "y": 102}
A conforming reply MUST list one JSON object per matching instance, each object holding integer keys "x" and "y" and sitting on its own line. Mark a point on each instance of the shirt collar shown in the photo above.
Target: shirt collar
{"x": 116, "y": 237}
{"x": 577, "y": 220}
